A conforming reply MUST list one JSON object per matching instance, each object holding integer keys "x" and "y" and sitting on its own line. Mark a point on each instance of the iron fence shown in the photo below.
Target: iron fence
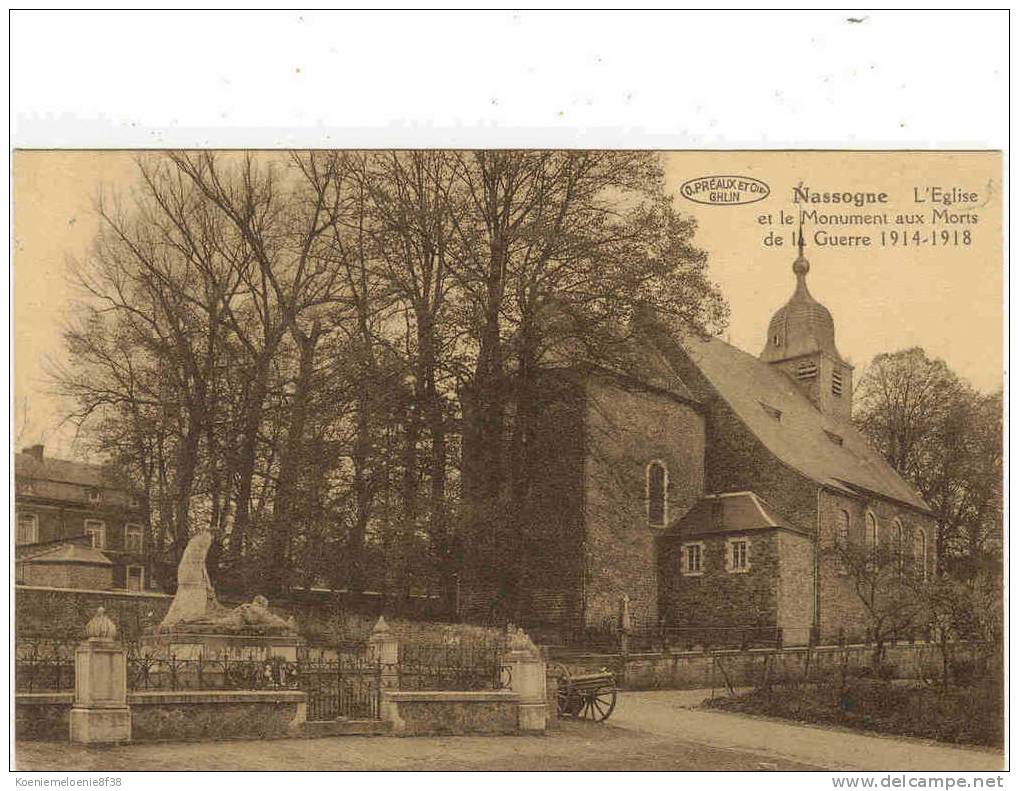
{"x": 339, "y": 686}
{"x": 161, "y": 671}
{"x": 44, "y": 665}
{"x": 462, "y": 667}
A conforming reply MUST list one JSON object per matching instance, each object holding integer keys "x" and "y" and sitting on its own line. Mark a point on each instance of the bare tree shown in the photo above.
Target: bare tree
{"x": 945, "y": 439}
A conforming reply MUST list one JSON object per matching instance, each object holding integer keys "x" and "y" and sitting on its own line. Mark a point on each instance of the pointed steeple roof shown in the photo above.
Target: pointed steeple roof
{"x": 803, "y": 325}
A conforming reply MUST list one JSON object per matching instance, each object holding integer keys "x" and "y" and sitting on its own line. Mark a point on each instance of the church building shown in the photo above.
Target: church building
{"x": 711, "y": 491}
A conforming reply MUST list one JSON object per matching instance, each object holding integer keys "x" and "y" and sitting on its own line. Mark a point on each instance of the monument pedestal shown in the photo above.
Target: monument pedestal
{"x": 191, "y": 645}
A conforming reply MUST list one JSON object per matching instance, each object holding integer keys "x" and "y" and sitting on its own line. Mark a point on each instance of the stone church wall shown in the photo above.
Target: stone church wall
{"x": 842, "y": 612}
{"x": 795, "y": 587}
{"x": 627, "y": 429}
{"x": 718, "y": 598}
{"x": 735, "y": 460}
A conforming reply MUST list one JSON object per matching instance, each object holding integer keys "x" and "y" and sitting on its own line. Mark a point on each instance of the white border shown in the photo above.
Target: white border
{"x": 737, "y": 79}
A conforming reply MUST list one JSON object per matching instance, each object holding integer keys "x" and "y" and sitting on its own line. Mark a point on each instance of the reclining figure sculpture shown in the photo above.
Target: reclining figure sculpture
{"x": 195, "y": 608}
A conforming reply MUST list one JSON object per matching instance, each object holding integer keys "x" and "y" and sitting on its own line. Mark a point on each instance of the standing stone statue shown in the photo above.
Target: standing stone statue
{"x": 195, "y": 599}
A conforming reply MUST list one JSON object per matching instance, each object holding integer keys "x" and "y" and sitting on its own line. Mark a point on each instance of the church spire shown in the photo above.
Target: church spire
{"x": 801, "y": 265}
{"x": 801, "y": 342}
{"x": 803, "y": 325}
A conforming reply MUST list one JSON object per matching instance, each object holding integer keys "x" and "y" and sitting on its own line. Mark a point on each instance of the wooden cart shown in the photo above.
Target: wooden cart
{"x": 590, "y": 696}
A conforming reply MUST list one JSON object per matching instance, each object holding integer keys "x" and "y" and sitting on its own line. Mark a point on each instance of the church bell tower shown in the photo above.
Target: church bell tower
{"x": 801, "y": 342}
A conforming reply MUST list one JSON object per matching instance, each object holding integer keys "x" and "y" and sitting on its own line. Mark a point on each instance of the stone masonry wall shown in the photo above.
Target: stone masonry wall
{"x": 842, "y": 612}
{"x": 60, "y": 614}
{"x": 795, "y": 587}
{"x": 735, "y": 460}
{"x": 450, "y": 713}
{"x": 720, "y": 598}
{"x": 627, "y": 429}
{"x": 163, "y": 716}
{"x": 67, "y": 575}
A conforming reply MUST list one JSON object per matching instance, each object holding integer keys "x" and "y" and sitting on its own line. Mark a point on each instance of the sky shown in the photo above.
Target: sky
{"x": 947, "y": 299}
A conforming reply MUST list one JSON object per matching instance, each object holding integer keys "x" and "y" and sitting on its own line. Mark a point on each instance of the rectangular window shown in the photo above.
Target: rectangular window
{"x": 693, "y": 558}
{"x": 738, "y": 552}
{"x": 19, "y": 573}
{"x": 135, "y": 578}
{"x": 95, "y": 496}
{"x": 133, "y": 538}
{"x": 96, "y": 529}
{"x": 28, "y": 529}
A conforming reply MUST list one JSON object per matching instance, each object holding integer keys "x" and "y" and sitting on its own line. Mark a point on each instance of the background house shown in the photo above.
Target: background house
{"x": 77, "y": 528}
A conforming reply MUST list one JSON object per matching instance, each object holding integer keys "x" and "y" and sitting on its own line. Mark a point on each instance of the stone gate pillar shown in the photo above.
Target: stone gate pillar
{"x": 527, "y": 678}
{"x": 100, "y": 713}
{"x": 384, "y": 648}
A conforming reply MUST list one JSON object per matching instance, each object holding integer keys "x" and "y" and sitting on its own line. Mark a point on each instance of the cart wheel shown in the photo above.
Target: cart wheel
{"x": 599, "y": 703}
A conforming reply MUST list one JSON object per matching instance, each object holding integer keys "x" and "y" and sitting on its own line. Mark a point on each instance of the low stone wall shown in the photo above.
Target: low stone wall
{"x": 185, "y": 715}
{"x": 171, "y": 716}
{"x": 697, "y": 670}
{"x": 419, "y": 713}
{"x": 43, "y": 716}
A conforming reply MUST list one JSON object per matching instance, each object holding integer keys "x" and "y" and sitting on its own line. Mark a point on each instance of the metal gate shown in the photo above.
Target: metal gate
{"x": 340, "y": 686}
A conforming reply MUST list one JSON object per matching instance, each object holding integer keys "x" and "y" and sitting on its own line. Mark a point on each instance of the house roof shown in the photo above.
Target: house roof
{"x": 25, "y": 551}
{"x": 730, "y": 512}
{"x": 60, "y": 470}
{"x": 71, "y": 553}
{"x": 822, "y": 447}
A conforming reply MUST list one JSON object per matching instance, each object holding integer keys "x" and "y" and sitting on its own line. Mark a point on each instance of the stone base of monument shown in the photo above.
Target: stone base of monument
{"x": 192, "y": 645}
{"x": 100, "y": 725}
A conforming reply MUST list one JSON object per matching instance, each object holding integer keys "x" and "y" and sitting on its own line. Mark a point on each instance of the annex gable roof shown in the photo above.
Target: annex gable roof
{"x": 822, "y": 447}
{"x": 730, "y": 512}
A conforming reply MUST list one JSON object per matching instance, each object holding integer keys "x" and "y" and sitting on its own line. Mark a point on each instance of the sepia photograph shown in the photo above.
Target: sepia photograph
{"x": 499, "y": 458}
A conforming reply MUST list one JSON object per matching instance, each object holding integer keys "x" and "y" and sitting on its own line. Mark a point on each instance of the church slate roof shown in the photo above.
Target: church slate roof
{"x": 729, "y": 512}
{"x": 823, "y": 448}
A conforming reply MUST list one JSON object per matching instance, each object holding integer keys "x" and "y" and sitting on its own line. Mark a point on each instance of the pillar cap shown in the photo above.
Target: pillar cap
{"x": 381, "y": 629}
{"x": 101, "y": 627}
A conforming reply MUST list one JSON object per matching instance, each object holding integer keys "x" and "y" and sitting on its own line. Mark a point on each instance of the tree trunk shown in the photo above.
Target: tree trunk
{"x": 284, "y": 513}
{"x": 362, "y": 492}
{"x": 246, "y": 461}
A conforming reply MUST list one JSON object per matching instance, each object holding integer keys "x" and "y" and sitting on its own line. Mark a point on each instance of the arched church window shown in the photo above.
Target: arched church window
{"x": 657, "y": 490}
{"x": 842, "y": 529}
{"x": 898, "y": 543}
{"x": 870, "y": 533}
